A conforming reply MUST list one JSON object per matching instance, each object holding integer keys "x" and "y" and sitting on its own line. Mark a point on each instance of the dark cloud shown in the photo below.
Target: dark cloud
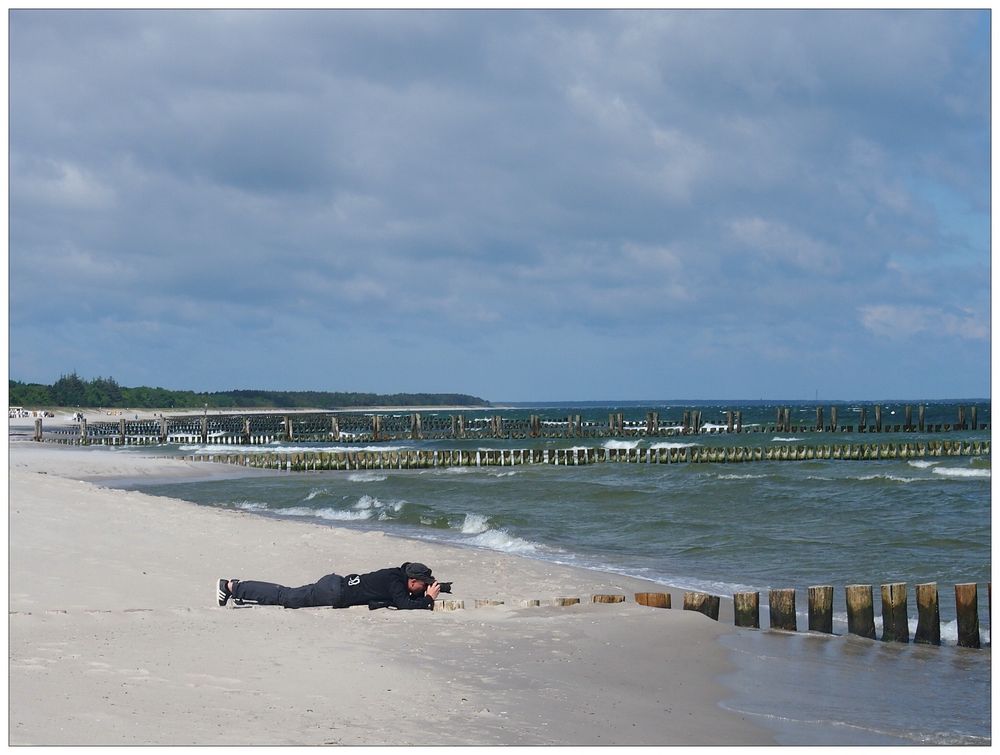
{"x": 443, "y": 200}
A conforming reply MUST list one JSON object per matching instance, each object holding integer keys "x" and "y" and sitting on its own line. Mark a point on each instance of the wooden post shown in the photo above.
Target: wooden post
{"x": 878, "y": 418}
{"x": 729, "y": 421}
{"x": 928, "y": 615}
{"x": 529, "y": 603}
{"x": 909, "y": 418}
{"x": 449, "y": 605}
{"x": 565, "y": 601}
{"x": 819, "y": 419}
{"x": 746, "y": 609}
{"x": 739, "y": 421}
{"x": 821, "y": 609}
{"x": 164, "y": 431}
{"x": 415, "y": 426}
{"x": 702, "y": 603}
{"x": 975, "y": 419}
{"x": 894, "y": 622}
{"x": 961, "y": 418}
{"x": 833, "y": 418}
{"x": 967, "y": 609}
{"x": 38, "y": 429}
{"x": 653, "y": 599}
{"x": 863, "y": 422}
{"x": 860, "y": 611}
{"x": 121, "y": 430}
{"x": 781, "y": 603}
{"x": 609, "y": 598}
{"x": 486, "y": 603}
{"x": 204, "y": 429}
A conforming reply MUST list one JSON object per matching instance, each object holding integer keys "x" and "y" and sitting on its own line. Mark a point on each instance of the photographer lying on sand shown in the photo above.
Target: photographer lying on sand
{"x": 408, "y": 586}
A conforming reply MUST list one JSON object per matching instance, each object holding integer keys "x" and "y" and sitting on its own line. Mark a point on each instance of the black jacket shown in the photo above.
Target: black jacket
{"x": 382, "y": 585}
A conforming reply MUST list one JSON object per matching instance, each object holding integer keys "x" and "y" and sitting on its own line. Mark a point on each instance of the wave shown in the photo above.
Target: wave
{"x": 740, "y": 476}
{"x": 371, "y": 503}
{"x": 367, "y": 477}
{"x": 890, "y": 478}
{"x": 501, "y": 540}
{"x": 668, "y": 444}
{"x": 779, "y": 439}
{"x": 625, "y": 444}
{"x": 922, "y": 463}
{"x": 277, "y": 448}
{"x": 475, "y": 524}
{"x": 316, "y": 492}
{"x": 956, "y": 472}
{"x": 307, "y": 511}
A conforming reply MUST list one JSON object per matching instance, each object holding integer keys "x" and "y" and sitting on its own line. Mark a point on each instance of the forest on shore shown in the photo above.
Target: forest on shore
{"x": 73, "y": 391}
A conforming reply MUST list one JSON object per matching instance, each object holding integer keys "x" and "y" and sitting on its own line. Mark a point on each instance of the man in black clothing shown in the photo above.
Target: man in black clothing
{"x": 408, "y": 586}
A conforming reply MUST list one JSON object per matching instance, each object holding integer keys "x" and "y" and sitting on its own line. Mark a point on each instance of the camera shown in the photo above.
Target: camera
{"x": 445, "y": 586}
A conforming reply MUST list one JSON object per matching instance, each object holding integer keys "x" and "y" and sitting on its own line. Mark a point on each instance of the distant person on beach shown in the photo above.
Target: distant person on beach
{"x": 409, "y": 586}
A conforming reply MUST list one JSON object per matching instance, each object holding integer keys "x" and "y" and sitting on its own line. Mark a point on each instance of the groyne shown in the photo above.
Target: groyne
{"x": 306, "y": 461}
{"x": 783, "y": 617}
{"x": 347, "y": 428}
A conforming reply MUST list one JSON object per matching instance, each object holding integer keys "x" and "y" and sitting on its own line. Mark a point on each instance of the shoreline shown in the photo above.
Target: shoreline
{"x": 99, "y": 575}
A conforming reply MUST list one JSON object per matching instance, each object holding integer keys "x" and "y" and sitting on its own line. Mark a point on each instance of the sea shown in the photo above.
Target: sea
{"x": 717, "y": 528}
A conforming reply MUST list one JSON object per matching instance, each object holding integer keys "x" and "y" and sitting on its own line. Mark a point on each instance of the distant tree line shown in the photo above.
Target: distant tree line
{"x": 71, "y": 390}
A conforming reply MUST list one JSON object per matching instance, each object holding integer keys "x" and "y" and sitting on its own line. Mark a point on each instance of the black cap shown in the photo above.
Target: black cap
{"x": 420, "y": 572}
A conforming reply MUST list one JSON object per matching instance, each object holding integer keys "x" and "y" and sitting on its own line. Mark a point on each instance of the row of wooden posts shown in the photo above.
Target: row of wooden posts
{"x": 860, "y": 611}
{"x": 781, "y": 609}
{"x": 337, "y": 427}
{"x": 426, "y": 458}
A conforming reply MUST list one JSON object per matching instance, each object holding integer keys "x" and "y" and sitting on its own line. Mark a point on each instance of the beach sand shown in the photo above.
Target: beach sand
{"x": 115, "y": 637}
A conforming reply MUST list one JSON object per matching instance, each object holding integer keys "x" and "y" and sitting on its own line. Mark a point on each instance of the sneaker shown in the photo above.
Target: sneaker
{"x": 223, "y": 593}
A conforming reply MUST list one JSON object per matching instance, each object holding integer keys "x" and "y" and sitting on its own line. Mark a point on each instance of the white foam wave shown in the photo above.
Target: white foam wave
{"x": 501, "y": 540}
{"x": 367, "y": 477}
{"x": 741, "y": 476}
{"x": 371, "y": 503}
{"x": 277, "y": 448}
{"x": 668, "y": 444}
{"x": 621, "y": 444}
{"x": 326, "y": 513}
{"x": 778, "y": 439}
{"x": 889, "y": 477}
{"x": 317, "y": 492}
{"x": 474, "y": 524}
{"x": 922, "y": 463}
{"x": 503, "y": 474}
{"x": 953, "y": 472}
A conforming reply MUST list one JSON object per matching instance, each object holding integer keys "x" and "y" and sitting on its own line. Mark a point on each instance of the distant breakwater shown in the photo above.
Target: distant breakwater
{"x": 336, "y": 427}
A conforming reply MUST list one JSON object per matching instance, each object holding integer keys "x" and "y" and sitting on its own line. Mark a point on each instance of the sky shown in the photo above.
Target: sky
{"x": 517, "y": 205}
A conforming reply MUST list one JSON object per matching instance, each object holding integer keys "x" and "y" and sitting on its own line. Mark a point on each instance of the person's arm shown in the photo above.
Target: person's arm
{"x": 401, "y": 597}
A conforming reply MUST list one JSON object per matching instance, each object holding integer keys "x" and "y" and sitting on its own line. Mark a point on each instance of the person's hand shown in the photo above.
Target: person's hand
{"x": 433, "y": 591}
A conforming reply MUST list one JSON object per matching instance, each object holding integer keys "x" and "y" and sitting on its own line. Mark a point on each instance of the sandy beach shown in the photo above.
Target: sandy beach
{"x": 116, "y": 639}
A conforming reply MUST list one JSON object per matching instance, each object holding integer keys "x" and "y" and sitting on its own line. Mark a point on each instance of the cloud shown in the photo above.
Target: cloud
{"x": 736, "y": 181}
{"x": 902, "y": 322}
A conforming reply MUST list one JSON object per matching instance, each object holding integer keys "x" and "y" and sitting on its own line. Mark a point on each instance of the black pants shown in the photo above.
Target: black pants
{"x": 325, "y": 592}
